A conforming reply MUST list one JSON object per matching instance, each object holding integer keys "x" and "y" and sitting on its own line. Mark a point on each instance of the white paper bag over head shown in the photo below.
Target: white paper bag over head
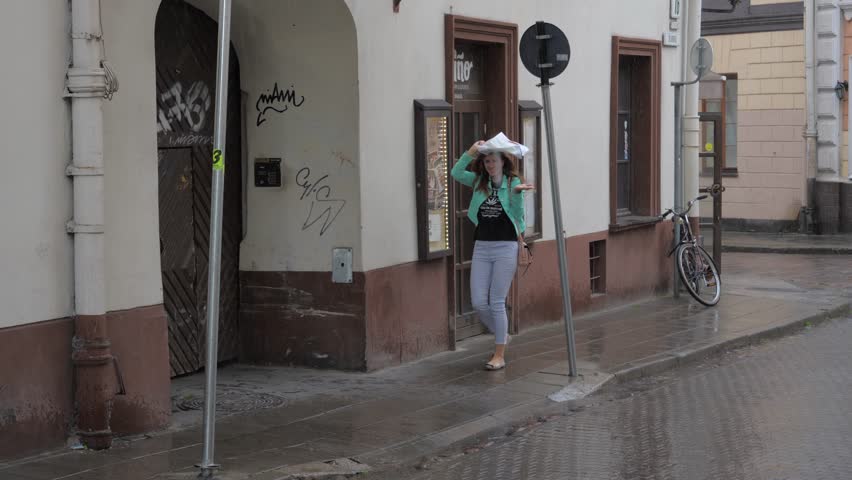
{"x": 501, "y": 143}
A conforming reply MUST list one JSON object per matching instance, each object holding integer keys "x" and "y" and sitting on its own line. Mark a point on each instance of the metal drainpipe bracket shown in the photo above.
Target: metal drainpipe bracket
{"x": 86, "y": 82}
{"x": 73, "y": 171}
{"x": 73, "y": 227}
{"x": 86, "y": 36}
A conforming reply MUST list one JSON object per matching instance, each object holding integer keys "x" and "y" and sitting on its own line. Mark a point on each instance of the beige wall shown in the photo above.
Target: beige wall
{"x": 130, "y": 158}
{"x": 401, "y": 58}
{"x": 771, "y": 103}
{"x": 315, "y": 54}
{"x": 36, "y": 258}
{"x": 311, "y": 47}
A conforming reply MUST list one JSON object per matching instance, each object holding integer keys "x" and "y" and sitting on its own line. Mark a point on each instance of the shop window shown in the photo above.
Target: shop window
{"x": 597, "y": 266}
{"x": 635, "y": 133}
{"x": 728, "y": 107}
{"x": 530, "y": 167}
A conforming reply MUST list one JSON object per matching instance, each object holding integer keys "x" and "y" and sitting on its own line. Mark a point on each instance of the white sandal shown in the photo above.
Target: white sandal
{"x": 494, "y": 367}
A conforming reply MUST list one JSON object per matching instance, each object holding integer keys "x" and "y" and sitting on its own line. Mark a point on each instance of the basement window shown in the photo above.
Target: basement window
{"x": 597, "y": 267}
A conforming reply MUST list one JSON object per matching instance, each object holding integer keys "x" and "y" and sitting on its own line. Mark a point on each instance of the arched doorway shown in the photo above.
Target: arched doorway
{"x": 185, "y": 42}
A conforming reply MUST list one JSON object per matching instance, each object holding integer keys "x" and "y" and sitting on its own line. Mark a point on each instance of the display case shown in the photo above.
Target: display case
{"x": 530, "y": 167}
{"x": 432, "y": 120}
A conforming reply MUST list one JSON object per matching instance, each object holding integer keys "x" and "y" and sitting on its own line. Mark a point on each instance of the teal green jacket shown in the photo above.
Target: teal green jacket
{"x": 512, "y": 201}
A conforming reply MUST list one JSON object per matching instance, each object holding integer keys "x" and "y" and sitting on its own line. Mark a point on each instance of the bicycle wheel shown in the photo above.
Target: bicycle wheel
{"x": 698, "y": 272}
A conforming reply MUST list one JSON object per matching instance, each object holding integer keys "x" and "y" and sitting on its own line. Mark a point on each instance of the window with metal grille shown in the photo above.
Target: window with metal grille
{"x": 597, "y": 266}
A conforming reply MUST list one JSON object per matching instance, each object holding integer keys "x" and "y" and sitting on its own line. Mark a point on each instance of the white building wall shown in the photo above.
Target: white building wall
{"x": 355, "y": 125}
{"x": 130, "y": 158}
{"x": 829, "y": 70}
{"x": 310, "y": 48}
{"x": 36, "y": 253}
{"x": 401, "y": 58}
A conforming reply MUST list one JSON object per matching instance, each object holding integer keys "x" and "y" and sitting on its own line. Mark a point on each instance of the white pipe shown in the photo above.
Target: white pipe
{"x": 691, "y": 132}
{"x": 86, "y": 83}
{"x": 810, "y": 160}
{"x": 94, "y": 380}
{"x": 685, "y": 46}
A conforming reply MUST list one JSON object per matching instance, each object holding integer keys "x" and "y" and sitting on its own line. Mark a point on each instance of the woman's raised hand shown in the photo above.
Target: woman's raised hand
{"x": 474, "y": 149}
{"x": 524, "y": 186}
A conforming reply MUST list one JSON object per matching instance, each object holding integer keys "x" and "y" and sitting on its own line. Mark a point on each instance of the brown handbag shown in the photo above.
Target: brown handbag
{"x": 525, "y": 256}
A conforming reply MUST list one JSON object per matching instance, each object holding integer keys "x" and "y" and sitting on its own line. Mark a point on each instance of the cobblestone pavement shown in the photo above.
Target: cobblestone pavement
{"x": 778, "y": 410}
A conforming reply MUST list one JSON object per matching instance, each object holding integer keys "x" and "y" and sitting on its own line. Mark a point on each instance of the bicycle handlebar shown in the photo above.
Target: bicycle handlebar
{"x": 688, "y": 207}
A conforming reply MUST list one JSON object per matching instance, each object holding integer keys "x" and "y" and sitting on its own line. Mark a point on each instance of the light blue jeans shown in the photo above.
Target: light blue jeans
{"x": 491, "y": 274}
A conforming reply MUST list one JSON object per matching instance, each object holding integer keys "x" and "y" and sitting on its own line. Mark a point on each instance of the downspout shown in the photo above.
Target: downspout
{"x": 809, "y": 169}
{"x": 691, "y": 131}
{"x": 685, "y": 47}
{"x": 94, "y": 375}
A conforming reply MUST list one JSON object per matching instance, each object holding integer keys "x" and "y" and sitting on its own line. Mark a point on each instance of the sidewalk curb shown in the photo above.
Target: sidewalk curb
{"x": 513, "y": 419}
{"x": 788, "y": 250}
{"x": 686, "y": 357}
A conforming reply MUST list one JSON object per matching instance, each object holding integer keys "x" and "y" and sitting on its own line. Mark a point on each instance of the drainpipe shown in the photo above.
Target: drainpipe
{"x": 95, "y": 380}
{"x": 691, "y": 140}
{"x": 809, "y": 170}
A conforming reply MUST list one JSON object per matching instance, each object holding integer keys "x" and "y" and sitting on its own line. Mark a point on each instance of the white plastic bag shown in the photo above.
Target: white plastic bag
{"x": 501, "y": 143}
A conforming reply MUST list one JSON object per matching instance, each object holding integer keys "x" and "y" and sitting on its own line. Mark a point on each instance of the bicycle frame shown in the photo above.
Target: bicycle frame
{"x": 686, "y": 236}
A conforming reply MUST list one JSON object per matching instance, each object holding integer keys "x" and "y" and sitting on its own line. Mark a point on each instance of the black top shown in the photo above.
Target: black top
{"x": 494, "y": 224}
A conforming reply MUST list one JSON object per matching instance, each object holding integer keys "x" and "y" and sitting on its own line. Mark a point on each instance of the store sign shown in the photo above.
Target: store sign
{"x": 468, "y": 72}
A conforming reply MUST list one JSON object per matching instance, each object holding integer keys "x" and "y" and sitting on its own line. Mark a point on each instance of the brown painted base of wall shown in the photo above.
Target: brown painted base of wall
{"x": 36, "y": 379}
{"x": 828, "y": 207}
{"x": 407, "y": 313}
{"x": 399, "y": 314}
{"x": 302, "y": 318}
{"x": 636, "y": 267}
{"x": 385, "y": 317}
{"x": 846, "y": 207}
{"x": 140, "y": 342}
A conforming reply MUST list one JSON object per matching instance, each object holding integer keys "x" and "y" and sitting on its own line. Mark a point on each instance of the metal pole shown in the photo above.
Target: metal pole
{"x": 678, "y": 181}
{"x": 560, "y": 235}
{"x": 207, "y": 466}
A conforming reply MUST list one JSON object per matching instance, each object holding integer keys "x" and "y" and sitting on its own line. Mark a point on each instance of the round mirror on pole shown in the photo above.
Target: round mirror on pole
{"x": 701, "y": 57}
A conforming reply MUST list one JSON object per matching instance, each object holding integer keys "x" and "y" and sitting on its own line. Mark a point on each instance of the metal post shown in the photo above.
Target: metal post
{"x": 678, "y": 181}
{"x": 678, "y": 174}
{"x": 560, "y": 234}
{"x": 207, "y": 466}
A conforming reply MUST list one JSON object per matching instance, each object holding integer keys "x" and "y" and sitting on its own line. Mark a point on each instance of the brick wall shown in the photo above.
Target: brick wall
{"x": 771, "y": 110}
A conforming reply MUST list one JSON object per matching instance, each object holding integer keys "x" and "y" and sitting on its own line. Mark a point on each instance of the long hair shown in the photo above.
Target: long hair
{"x": 510, "y": 170}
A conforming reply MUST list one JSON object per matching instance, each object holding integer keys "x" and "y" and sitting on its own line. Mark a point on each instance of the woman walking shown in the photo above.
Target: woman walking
{"x": 497, "y": 210}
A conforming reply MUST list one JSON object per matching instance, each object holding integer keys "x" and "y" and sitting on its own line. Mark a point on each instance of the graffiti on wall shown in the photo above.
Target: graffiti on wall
{"x": 276, "y": 100}
{"x": 323, "y": 206}
{"x": 191, "y": 106}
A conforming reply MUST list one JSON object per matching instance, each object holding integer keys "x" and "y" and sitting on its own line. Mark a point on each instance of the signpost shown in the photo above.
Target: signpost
{"x": 700, "y": 61}
{"x": 545, "y": 52}
{"x": 207, "y": 466}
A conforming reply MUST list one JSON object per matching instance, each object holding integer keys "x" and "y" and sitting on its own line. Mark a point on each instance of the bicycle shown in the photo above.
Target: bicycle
{"x": 697, "y": 269}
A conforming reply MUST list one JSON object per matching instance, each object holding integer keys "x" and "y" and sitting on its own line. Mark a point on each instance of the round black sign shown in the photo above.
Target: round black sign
{"x": 545, "y": 51}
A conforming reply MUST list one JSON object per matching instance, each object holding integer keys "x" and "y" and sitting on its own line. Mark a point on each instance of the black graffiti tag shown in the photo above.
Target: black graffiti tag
{"x": 327, "y": 208}
{"x": 277, "y": 101}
